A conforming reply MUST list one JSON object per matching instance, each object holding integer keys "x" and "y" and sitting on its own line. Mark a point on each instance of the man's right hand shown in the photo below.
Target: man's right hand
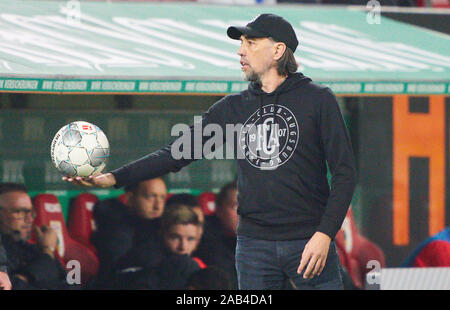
{"x": 101, "y": 180}
{"x": 47, "y": 239}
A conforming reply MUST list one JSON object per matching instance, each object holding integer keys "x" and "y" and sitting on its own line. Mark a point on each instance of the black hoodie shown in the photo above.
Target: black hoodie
{"x": 288, "y": 136}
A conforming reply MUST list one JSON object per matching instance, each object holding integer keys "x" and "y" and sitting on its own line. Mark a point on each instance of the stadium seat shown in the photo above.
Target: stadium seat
{"x": 81, "y": 220}
{"x": 355, "y": 251}
{"x": 49, "y": 212}
{"x": 123, "y": 198}
{"x": 207, "y": 202}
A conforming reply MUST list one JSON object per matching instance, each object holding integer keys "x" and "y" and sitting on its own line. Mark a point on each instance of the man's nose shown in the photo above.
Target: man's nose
{"x": 158, "y": 205}
{"x": 181, "y": 246}
{"x": 241, "y": 51}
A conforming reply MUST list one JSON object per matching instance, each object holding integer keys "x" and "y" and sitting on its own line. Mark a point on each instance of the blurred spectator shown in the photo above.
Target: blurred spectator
{"x": 5, "y": 283}
{"x": 432, "y": 252}
{"x": 120, "y": 226}
{"x": 218, "y": 245}
{"x": 31, "y": 266}
{"x": 210, "y": 278}
{"x": 192, "y": 202}
{"x": 166, "y": 264}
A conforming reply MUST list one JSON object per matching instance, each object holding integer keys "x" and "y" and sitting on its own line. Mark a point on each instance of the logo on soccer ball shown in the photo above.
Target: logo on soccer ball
{"x": 269, "y": 137}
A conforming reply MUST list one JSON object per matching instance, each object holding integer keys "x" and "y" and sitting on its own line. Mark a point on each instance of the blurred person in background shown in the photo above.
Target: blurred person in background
{"x": 5, "y": 283}
{"x": 192, "y": 202}
{"x": 31, "y": 266}
{"x": 123, "y": 225}
{"x": 166, "y": 264}
{"x": 209, "y": 278}
{"x": 218, "y": 245}
{"x": 432, "y": 252}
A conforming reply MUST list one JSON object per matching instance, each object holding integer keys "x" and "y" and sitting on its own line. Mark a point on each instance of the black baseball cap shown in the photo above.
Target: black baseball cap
{"x": 267, "y": 25}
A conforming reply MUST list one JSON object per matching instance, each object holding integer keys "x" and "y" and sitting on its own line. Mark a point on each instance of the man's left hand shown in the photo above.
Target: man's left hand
{"x": 314, "y": 255}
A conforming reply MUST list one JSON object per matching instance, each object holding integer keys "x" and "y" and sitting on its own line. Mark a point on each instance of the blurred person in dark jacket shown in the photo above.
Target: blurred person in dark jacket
{"x": 123, "y": 225}
{"x": 31, "y": 266}
{"x": 166, "y": 264}
{"x": 209, "y": 278}
{"x": 5, "y": 283}
{"x": 218, "y": 245}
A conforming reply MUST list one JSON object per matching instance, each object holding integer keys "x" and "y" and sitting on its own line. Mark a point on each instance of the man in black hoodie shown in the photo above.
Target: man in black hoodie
{"x": 291, "y": 129}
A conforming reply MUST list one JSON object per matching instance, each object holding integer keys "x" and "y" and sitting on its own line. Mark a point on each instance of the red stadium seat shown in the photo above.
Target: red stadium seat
{"x": 356, "y": 251}
{"x": 81, "y": 220}
{"x": 207, "y": 202}
{"x": 123, "y": 198}
{"x": 49, "y": 212}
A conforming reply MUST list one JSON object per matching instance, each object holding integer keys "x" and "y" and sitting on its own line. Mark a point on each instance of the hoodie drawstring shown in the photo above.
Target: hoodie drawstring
{"x": 275, "y": 106}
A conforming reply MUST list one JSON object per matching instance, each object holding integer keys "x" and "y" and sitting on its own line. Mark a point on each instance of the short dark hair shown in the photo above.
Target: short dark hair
{"x": 185, "y": 199}
{"x": 12, "y": 187}
{"x": 131, "y": 187}
{"x": 210, "y": 278}
{"x": 134, "y": 186}
{"x": 222, "y": 195}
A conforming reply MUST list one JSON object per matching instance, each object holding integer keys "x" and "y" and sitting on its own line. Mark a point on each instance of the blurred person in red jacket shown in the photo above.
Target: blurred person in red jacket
{"x": 432, "y": 252}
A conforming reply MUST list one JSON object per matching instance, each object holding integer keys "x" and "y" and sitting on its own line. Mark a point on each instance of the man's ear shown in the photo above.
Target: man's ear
{"x": 279, "y": 49}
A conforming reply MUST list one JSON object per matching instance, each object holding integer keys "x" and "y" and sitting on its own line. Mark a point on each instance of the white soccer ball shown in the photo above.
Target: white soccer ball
{"x": 80, "y": 149}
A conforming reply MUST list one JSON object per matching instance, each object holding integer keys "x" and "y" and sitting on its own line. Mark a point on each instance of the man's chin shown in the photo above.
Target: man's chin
{"x": 153, "y": 215}
{"x": 250, "y": 76}
{"x": 26, "y": 236}
{"x": 18, "y": 235}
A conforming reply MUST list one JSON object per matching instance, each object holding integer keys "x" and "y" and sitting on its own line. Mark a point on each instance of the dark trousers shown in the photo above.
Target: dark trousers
{"x": 272, "y": 265}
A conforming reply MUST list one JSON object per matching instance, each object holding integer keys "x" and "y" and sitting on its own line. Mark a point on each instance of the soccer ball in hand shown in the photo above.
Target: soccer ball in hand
{"x": 80, "y": 149}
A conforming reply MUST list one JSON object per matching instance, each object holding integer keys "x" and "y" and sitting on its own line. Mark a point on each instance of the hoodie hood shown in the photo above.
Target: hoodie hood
{"x": 293, "y": 81}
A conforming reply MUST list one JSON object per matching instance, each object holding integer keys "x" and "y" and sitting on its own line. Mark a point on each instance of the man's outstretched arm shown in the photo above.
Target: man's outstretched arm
{"x": 160, "y": 162}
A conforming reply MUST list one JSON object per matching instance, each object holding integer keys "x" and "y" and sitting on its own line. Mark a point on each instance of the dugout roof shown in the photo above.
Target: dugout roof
{"x": 46, "y": 46}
